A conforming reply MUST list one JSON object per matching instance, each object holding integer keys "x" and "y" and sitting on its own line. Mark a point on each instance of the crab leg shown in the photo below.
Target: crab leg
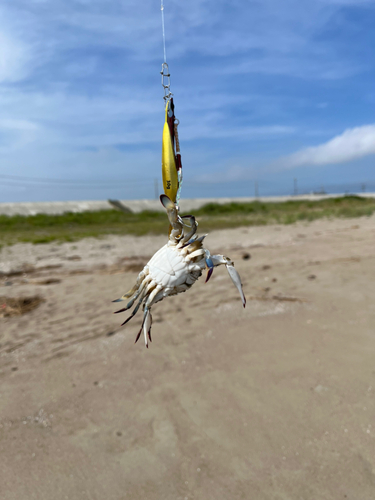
{"x": 153, "y": 295}
{"x": 138, "y": 335}
{"x": 196, "y": 253}
{"x": 128, "y": 294}
{"x": 194, "y": 239}
{"x": 146, "y": 327}
{"x": 139, "y": 291}
{"x": 147, "y": 318}
{"x": 136, "y": 308}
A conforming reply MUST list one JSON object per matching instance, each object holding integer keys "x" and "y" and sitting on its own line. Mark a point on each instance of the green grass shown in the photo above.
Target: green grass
{"x": 43, "y": 228}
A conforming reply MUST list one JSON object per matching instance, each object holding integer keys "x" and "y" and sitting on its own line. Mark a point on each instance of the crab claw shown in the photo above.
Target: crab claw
{"x": 210, "y": 270}
{"x": 209, "y": 264}
{"x": 193, "y": 227}
{"x": 175, "y": 220}
{"x": 236, "y": 280}
{"x": 171, "y": 209}
{"x": 166, "y": 201}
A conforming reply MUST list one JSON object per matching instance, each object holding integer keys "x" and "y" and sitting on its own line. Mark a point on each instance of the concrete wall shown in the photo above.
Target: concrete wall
{"x": 187, "y": 205}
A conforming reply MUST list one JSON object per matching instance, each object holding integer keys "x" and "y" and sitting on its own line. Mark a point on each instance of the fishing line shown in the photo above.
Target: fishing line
{"x": 162, "y": 23}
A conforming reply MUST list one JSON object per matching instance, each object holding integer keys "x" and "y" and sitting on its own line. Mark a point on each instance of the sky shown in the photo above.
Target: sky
{"x": 266, "y": 92}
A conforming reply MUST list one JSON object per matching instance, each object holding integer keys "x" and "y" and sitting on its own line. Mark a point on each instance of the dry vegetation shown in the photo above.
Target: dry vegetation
{"x": 44, "y": 228}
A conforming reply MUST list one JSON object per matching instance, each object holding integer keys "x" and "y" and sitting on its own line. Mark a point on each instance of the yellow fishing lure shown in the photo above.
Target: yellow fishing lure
{"x": 168, "y": 161}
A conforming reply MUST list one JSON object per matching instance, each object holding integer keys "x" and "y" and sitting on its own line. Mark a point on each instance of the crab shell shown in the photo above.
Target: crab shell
{"x": 174, "y": 268}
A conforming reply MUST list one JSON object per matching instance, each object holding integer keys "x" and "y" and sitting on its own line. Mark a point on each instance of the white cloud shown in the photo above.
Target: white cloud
{"x": 352, "y": 144}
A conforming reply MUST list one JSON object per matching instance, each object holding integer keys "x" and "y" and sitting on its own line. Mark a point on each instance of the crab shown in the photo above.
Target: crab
{"x": 174, "y": 268}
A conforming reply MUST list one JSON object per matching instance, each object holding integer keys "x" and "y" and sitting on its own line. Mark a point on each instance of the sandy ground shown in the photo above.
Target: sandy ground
{"x": 272, "y": 402}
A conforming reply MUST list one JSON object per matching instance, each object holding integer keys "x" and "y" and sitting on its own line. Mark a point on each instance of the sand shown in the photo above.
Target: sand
{"x": 274, "y": 402}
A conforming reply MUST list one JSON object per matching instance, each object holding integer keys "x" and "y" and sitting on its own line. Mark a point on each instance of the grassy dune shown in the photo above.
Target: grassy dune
{"x": 43, "y": 228}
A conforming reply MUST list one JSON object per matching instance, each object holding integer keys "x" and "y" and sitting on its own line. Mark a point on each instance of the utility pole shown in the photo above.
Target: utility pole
{"x": 256, "y": 191}
{"x": 295, "y": 187}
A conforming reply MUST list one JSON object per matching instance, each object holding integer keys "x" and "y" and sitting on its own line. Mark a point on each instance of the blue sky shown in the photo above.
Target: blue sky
{"x": 265, "y": 91}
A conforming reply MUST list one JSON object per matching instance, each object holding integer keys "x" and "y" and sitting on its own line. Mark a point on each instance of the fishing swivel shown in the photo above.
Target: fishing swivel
{"x": 166, "y": 82}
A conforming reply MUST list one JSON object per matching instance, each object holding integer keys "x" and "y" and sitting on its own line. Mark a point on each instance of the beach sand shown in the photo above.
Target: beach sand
{"x": 271, "y": 402}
